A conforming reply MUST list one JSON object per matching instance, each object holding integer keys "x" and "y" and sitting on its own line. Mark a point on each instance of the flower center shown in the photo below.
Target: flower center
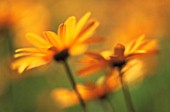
{"x": 119, "y": 50}
{"x": 61, "y": 56}
{"x": 118, "y": 60}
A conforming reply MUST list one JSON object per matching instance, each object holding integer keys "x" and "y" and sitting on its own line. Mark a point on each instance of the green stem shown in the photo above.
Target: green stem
{"x": 126, "y": 94}
{"x": 74, "y": 85}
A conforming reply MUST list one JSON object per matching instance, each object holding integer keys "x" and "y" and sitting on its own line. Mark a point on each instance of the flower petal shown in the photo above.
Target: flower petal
{"x": 70, "y": 25}
{"x": 113, "y": 80}
{"x": 21, "y": 64}
{"x": 95, "y": 55}
{"x": 77, "y": 49}
{"x": 32, "y": 50}
{"x": 131, "y": 48}
{"x": 37, "y": 41}
{"x": 81, "y": 23}
{"x": 62, "y": 33}
{"x": 54, "y": 39}
{"x": 107, "y": 54}
{"x": 151, "y": 45}
{"x": 92, "y": 68}
{"x": 87, "y": 31}
{"x": 37, "y": 63}
{"x": 133, "y": 73}
{"x": 27, "y": 54}
{"x": 28, "y": 62}
{"x": 65, "y": 97}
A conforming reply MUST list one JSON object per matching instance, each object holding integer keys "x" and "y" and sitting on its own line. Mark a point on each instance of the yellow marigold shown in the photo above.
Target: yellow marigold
{"x": 91, "y": 91}
{"x": 120, "y": 57}
{"x": 72, "y": 38}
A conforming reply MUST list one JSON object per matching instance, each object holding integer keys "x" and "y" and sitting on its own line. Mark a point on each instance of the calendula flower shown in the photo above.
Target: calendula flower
{"x": 119, "y": 57}
{"x": 72, "y": 38}
{"x": 91, "y": 91}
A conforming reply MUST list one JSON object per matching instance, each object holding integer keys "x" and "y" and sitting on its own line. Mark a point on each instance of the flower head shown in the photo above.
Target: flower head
{"x": 91, "y": 91}
{"x": 119, "y": 57}
{"x": 72, "y": 38}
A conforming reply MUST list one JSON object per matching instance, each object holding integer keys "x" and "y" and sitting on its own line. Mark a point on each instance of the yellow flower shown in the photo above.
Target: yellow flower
{"x": 119, "y": 57}
{"x": 72, "y": 38}
{"x": 91, "y": 91}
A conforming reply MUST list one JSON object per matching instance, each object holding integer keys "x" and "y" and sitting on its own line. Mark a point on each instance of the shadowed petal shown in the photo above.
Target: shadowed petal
{"x": 92, "y": 68}
{"x": 94, "y": 55}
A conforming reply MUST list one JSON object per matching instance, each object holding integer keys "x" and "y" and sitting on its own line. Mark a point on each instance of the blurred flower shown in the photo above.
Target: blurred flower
{"x": 121, "y": 57}
{"x": 72, "y": 39}
{"x": 91, "y": 91}
{"x": 21, "y": 17}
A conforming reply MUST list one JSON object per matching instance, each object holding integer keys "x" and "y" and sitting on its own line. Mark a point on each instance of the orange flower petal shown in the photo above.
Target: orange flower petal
{"x": 92, "y": 68}
{"x": 113, "y": 80}
{"x": 94, "y": 55}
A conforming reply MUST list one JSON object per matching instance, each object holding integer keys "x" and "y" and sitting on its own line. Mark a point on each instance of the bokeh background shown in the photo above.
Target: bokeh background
{"x": 120, "y": 21}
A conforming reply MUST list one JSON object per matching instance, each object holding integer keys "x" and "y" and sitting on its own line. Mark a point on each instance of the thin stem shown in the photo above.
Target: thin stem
{"x": 126, "y": 94}
{"x": 74, "y": 85}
